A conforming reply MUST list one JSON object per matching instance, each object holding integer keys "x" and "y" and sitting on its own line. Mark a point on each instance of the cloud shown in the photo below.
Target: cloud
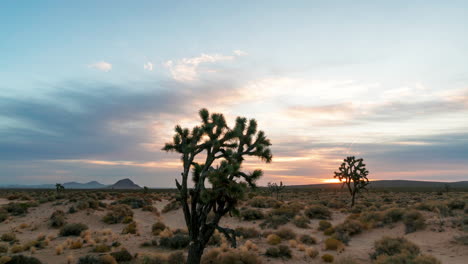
{"x": 188, "y": 69}
{"x": 240, "y": 53}
{"x": 101, "y": 65}
{"x": 148, "y": 66}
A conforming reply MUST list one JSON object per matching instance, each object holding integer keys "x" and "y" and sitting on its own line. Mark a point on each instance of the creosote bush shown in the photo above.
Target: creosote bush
{"x": 118, "y": 213}
{"x": 317, "y": 212}
{"x": 413, "y": 221}
{"x": 247, "y": 232}
{"x": 286, "y": 233}
{"x": 328, "y": 258}
{"x": 264, "y": 202}
{"x": 251, "y": 214}
{"x": 178, "y": 241}
{"x": 73, "y": 229}
{"x": 323, "y": 225}
{"x": 230, "y": 256}
{"x": 20, "y": 259}
{"x": 158, "y": 227}
{"x": 57, "y": 219}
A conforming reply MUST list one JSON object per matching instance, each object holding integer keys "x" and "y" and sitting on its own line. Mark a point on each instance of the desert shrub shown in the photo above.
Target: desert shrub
{"x": 456, "y": 204}
{"x": 329, "y": 231}
{"x": 135, "y": 202}
{"x": 76, "y": 244}
{"x": 462, "y": 240}
{"x": 247, "y": 232}
{"x": 274, "y": 221}
{"x": 178, "y": 241}
{"x": 413, "y": 221}
{"x": 426, "y": 259}
{"x": 312, "y": 252}
{"x": 20, "y": 259}
{"x": 394, "y": 246}
{"x": 171, "y": 206}
{"x": 3, "y": 215}
{"x": 285, "y": 210}
{"x": 332, "y": 244}
{"x": 176, "y": 258}
{"x": 404, "y": 258}
{"x": 392, "y": 215}
{"x": 328, "y": 258}
{"x": 8, "y": 237}
{"x": 72, "y": 210}
{"x": 117, "y": 214}
{"x": 323, "y": 225}
{"x": 317, "y": 212}
{"x": 229, "y": 256}
{"x": 301, "y": 221}
{"x": 286, "y": 233}
{"x": 122, "y": 255}
{"x": 73, "y": 229}
{"x": 348, "y": 228}
{"x": 264, "y": 202}
{"x": 273, "y": 239}
{"x": 306, "y": 239}
{"x": 158, "y": 227}
{"x": 101, "y": 248}
{"x": 3, "y": 248}
{"x": 18, "y": 208}
{"x": 371, "y": 218}
{"x": 252, "y": 214}
{"x": 346, "y": 260}
{"x": 57, "y": 219}
{"x": 281, "y": 251}
{"x": 130, "y": 228}
{"x": 16, "y": 249}
{"x": 102, "y": 259}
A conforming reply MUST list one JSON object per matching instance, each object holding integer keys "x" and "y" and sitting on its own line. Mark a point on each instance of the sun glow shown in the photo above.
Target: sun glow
{"x": 331, "y": 181}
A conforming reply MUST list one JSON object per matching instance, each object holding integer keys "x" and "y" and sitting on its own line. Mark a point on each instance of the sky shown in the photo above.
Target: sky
{"x": 91, "y": 90}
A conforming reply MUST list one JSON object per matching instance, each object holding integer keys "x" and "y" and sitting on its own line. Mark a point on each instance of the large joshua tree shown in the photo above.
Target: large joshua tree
{"x": 353, "y": 174}
{"x": 213, "y": 154}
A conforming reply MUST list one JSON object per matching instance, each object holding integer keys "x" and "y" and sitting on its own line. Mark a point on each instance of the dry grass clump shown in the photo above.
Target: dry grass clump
{"x": 413, "y": 221}
{"x": 301, "y": 221}
{"x": 101, "y": 248}
{"x": 58, "y": 250}
{"x": 328, "y": 258}
{"x": 311, "y": 252}
{"x": 230, "y": 256}
{"x": 8, "y": 237}
{"x": 171, "y": 206}
{"x": 306, "y": 239}
{"x": 273, "y": 239}
{"x": 281, "y": 251}
{"x": 16, "y": 249}
{"x": 333, "y": 244}
{"x": 252, "y": 214}
{"x": 76, "y": 244}
{"x": 323, "y": 225}
{"x": 247, "y": 232}
{"x": 57, "y": 219}
{"x": 286, "y": 233}
{"x": 131, "y": 228}
{"x": 318, "y": 212}
{"x": 118, "y": 213}
{"x": 157, "y": 228}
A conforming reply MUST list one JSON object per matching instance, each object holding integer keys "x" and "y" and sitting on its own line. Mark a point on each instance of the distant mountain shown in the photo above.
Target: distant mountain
{"x": 395, "y": 185}
{"x": 88, "y": 185}
{"x": 125, "y": 184}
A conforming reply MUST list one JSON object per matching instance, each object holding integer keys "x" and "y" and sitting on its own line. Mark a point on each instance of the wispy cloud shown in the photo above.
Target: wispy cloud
{"x": 101, "y": 65}
{"x": 148, "y": 66}
{"x": 188, "y": 69}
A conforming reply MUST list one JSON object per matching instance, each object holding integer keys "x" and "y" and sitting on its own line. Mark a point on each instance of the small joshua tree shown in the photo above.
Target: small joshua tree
{"x": 213, "y": 153}
{"x": 353, "y": 174}
{"x": 59, "y": 188}
{"x": 145, "y": 190}
{"x": 275, "y": 188}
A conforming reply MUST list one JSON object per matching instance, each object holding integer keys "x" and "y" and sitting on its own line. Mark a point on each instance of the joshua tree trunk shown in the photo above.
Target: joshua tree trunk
{"x": 194, "y": 253}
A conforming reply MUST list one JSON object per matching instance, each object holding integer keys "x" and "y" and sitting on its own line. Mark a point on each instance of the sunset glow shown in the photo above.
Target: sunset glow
{"x": 91, "y": 95}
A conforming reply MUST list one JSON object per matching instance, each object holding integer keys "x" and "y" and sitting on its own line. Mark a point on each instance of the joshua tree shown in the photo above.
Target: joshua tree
{"x": 353, "y": 174}
{"x": 275, "y": 188}
{"x": 59, "y": 188}
{"x": 145, "y": 190}
{"x": 213, "y": 153}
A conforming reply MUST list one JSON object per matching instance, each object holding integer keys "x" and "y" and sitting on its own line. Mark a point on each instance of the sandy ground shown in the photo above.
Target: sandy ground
{"x": 438, "y": 244}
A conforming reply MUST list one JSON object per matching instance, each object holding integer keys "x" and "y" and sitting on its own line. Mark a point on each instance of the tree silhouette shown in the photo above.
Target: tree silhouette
{"x": 275, "y": 188}
{"x": 59, "y": 188}
{"x": 353, "y": 174}
{"x": 220, "y": 151}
